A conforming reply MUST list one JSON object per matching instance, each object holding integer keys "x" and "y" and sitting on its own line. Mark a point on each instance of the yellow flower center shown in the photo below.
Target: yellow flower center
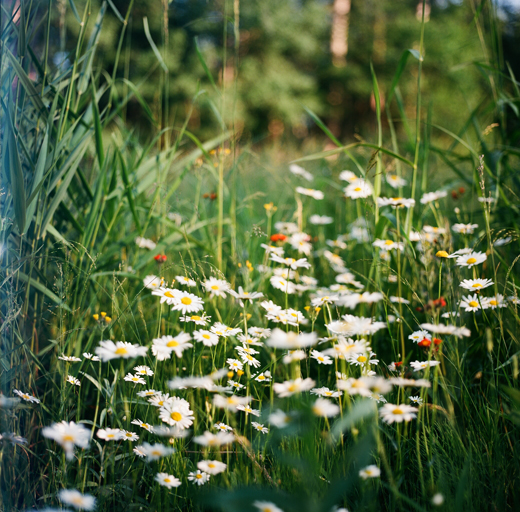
{"x": 186, "y": 301}
{"x": 199, "y": 476}
{"x": 321, "y": 358}
{"x": 211, "y": 465}
{"x": 121, "y": 351}
{"x": 362, "y": 359}
{"x": 493, "y": 302}
{"x": 214, "y": 287}
{"x": 389, "y": 242}
{"x": 167, "y": 480}
{"x": 471, "y": 261}
{"x": 172, "y": 343}
{"x": 261, "y": 377}
{"x": 206, "y": 336}
{"x": 196, "y": 318}
{"x": 473, "y": 304}
{"x": 292, "y": 388}
{"x": 168, "y": 294}
{"x": 397, "y": 411}
{"x": 476, "y": 285}
{"x": 68, "y": 437}
{"x": 156, "y": 453}
{"x": 128, "y": 434}
{"x": 176, "y": 416}
{"x": 357, "y": 189}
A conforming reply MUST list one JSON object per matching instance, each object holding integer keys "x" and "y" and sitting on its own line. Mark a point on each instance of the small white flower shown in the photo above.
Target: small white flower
{"x": 198, "y": 477}
{"x": 371, "y": 471}
{"x": 167, "y": 480}
{"x": 77, "y": 500}
{"x": 315, "y": 194}
{"x": 325, "y": 408}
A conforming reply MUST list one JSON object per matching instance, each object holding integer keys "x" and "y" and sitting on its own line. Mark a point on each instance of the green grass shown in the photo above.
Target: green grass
{"x": 78, "y": 187}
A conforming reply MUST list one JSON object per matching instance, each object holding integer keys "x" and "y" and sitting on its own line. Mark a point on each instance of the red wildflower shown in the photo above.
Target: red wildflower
{"x": 278, "y": 237}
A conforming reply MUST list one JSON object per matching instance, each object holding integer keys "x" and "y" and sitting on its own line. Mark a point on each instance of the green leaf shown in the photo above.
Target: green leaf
{"x": 15, "y": 173}
{"x": 152, "y": 44}
{"x": 205, "y": 66}
{"x": 86, "y": 68}
{"x": 38, "y": 178}
{"x": 74, "y": 10}
{"x": 32, "y": 93}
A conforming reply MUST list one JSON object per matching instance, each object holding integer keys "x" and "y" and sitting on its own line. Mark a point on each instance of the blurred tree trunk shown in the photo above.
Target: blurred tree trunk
{"x": 339, "y": 33}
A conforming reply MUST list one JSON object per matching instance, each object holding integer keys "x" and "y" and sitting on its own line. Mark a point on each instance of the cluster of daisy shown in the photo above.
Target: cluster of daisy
{"x": 257, "y": 359}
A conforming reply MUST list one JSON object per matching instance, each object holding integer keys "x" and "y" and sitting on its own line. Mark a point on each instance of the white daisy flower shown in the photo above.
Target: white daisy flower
{"x": 143, "y": 370}
{"x": 211, "y": 467}
{"x": 396, "y": 202}
{"x": 266, "y": 506}
{"x": 422, "y": 365}
{"x": 497, "y": 301}
{"x": 371, "y": 471}
{"x": 77, "y": 500}
{"x": 300, "y": 171}
{"x": 230, "y": 402}
{"x": 291, "y": 340}
{"x": 248, "y": 410}
{"x": 145, "y": 243}
{"x": 26, "y": 396}
{"x": 167, "y": 480}
{"x": 72, "y": 380}
{"x": 109, "y": 350}
{"x": 321, "y": 357}
{"x": 205, "y": 337}
{"x": 214, "y": 440}
{"x": 92, "y": 357}
{"x": 395, "y": 181}
{"x": 109, "y": 434}
{"x": 476, "y": 284}
{"x": 429, "y": 197}
{"x": 136, "y": 379}
{"x": 326, "y": 392}
{"x": 216, "y": 287}
{"x": 358, "y": 189}
{"x": 416, "y": 400}
{"x": 290, "y": 387}
{"x": 155, "y": 451}
{"x": 196, "y": 319}
{"x": 163, "y": 347}
{"x": 176, "y": 412}
{"x": 142, "y": 424}
{"x": 186, "y": 281}
{"x": 315, "y": 194}
{"x": 198, "y": 477}
{"x": 260, "y": 427}
{"x": 223, "y": 427}
{"x": 471, "y": 259}
{"x": 466, "y": 229}
{"x": 325, "y": 408}
{"x": 320, "y": 220}
{"x": 147, "y": 392}
{"x": 348, "y": 176}
{"x": 167, "y": 295}
{"x": 152, "y": 282}
{"x": 470, "y": 303}
{"x": 187, "y": 303}
{"x": 126, "y": 435}
{"x": 69, "y": 359}
{"x": 391, "y": 413}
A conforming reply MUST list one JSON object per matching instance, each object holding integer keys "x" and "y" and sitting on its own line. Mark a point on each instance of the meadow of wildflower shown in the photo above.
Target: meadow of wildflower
{"x": 201, "y": 325}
